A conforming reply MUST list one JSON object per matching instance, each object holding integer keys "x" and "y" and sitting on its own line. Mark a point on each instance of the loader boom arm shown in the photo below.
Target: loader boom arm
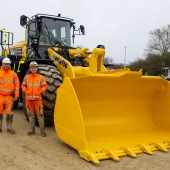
{"x": 94, "y": 62}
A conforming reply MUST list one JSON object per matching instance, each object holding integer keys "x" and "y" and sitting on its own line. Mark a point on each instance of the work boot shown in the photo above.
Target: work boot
{"x": 32, "y": 125}
{"x": 1, "y": 120}
{"x": 41, "y": 124}
{"x": 9, "y": 121}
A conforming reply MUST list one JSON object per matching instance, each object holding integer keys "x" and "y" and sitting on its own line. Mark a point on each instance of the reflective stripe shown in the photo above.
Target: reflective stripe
{"x": 16, "y": 88}
{"x": 9, "y": 80}
{"x": 40, "y": 80}
{"x": 43, "y": 83}
{"x": 5, "y": 81}
{"x": 33, "y": 96}
{"x": 6, "y": 90}
{"x": 24, "y": 83}
{"x": 33, "y": 84}
{"x": 26, "y": 79}
{"x": 16, "y": 82}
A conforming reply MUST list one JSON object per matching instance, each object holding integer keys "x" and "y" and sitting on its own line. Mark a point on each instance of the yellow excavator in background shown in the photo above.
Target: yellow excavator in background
{"x": 101, "y": 113}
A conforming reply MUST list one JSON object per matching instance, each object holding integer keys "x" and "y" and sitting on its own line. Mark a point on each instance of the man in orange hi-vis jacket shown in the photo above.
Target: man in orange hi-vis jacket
{"x": 33, "y": 86}
{"x": 9, "y": 91}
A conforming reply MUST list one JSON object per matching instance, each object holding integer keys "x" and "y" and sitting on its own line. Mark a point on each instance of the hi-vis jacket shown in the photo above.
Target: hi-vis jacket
{"x": 33, "y": 86}
{"x": 9, "y": 82}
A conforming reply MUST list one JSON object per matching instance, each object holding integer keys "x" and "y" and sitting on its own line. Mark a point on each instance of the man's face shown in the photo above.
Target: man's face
{"x": 33, "y": 69}
{"x": 6, "y": 66}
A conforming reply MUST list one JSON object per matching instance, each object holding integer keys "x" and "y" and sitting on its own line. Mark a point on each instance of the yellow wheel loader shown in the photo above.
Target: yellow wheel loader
{"x": 103, "y": 114}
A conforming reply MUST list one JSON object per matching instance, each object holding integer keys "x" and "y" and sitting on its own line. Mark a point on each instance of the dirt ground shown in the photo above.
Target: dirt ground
{"x": 21, "y": 152}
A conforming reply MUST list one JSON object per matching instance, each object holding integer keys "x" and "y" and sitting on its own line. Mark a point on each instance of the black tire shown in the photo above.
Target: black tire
{"x": 54, "y": 80}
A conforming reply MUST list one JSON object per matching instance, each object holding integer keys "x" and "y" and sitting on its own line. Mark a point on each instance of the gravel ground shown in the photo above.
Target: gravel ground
{"x": 21, "y": 152}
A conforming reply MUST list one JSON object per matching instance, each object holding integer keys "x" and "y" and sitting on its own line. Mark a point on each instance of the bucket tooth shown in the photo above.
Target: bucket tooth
{"x": 160, "y": 146}
{"x": 130, "y": 152}
{"x": 146, "y": 149}
{"x": 111, "y": 154}
{"x": 89, "y": 156}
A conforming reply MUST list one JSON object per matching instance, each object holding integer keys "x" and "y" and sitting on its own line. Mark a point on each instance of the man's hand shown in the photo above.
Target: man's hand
{"x": 16, "y": 98}
{"x": 42, "y": 93}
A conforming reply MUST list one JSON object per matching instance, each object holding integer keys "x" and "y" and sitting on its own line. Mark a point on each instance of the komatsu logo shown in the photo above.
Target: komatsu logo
{"x": 62, "y": 62}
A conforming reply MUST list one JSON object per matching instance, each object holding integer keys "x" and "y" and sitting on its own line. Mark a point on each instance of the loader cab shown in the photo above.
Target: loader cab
{"x": 44, "y": 30}
{"x": 48, "y": 31}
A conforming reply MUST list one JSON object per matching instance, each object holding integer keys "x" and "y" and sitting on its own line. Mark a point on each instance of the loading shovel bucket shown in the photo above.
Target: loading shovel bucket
{"x": 106, "y": 116}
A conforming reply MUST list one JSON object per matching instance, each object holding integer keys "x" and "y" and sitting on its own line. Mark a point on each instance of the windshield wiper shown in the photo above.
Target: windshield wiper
{"x": 55, "y": 41}
{"x": 51, "y": 37}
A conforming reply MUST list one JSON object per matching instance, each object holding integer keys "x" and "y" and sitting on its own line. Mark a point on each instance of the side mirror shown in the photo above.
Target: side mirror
{"x": 82, "y": 29}
{"x": 23, "y": 20}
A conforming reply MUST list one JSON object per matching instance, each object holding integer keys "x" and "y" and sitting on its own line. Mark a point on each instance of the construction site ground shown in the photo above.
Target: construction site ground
{"x": 22, "y": 152}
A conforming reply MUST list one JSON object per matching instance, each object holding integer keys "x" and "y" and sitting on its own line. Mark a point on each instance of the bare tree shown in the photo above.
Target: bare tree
{"x": 108, "y": 60}
{"x": 159, "y": 42}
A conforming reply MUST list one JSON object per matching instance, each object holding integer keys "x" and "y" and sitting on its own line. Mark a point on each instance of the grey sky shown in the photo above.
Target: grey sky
{"x": 114, "y": 23}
